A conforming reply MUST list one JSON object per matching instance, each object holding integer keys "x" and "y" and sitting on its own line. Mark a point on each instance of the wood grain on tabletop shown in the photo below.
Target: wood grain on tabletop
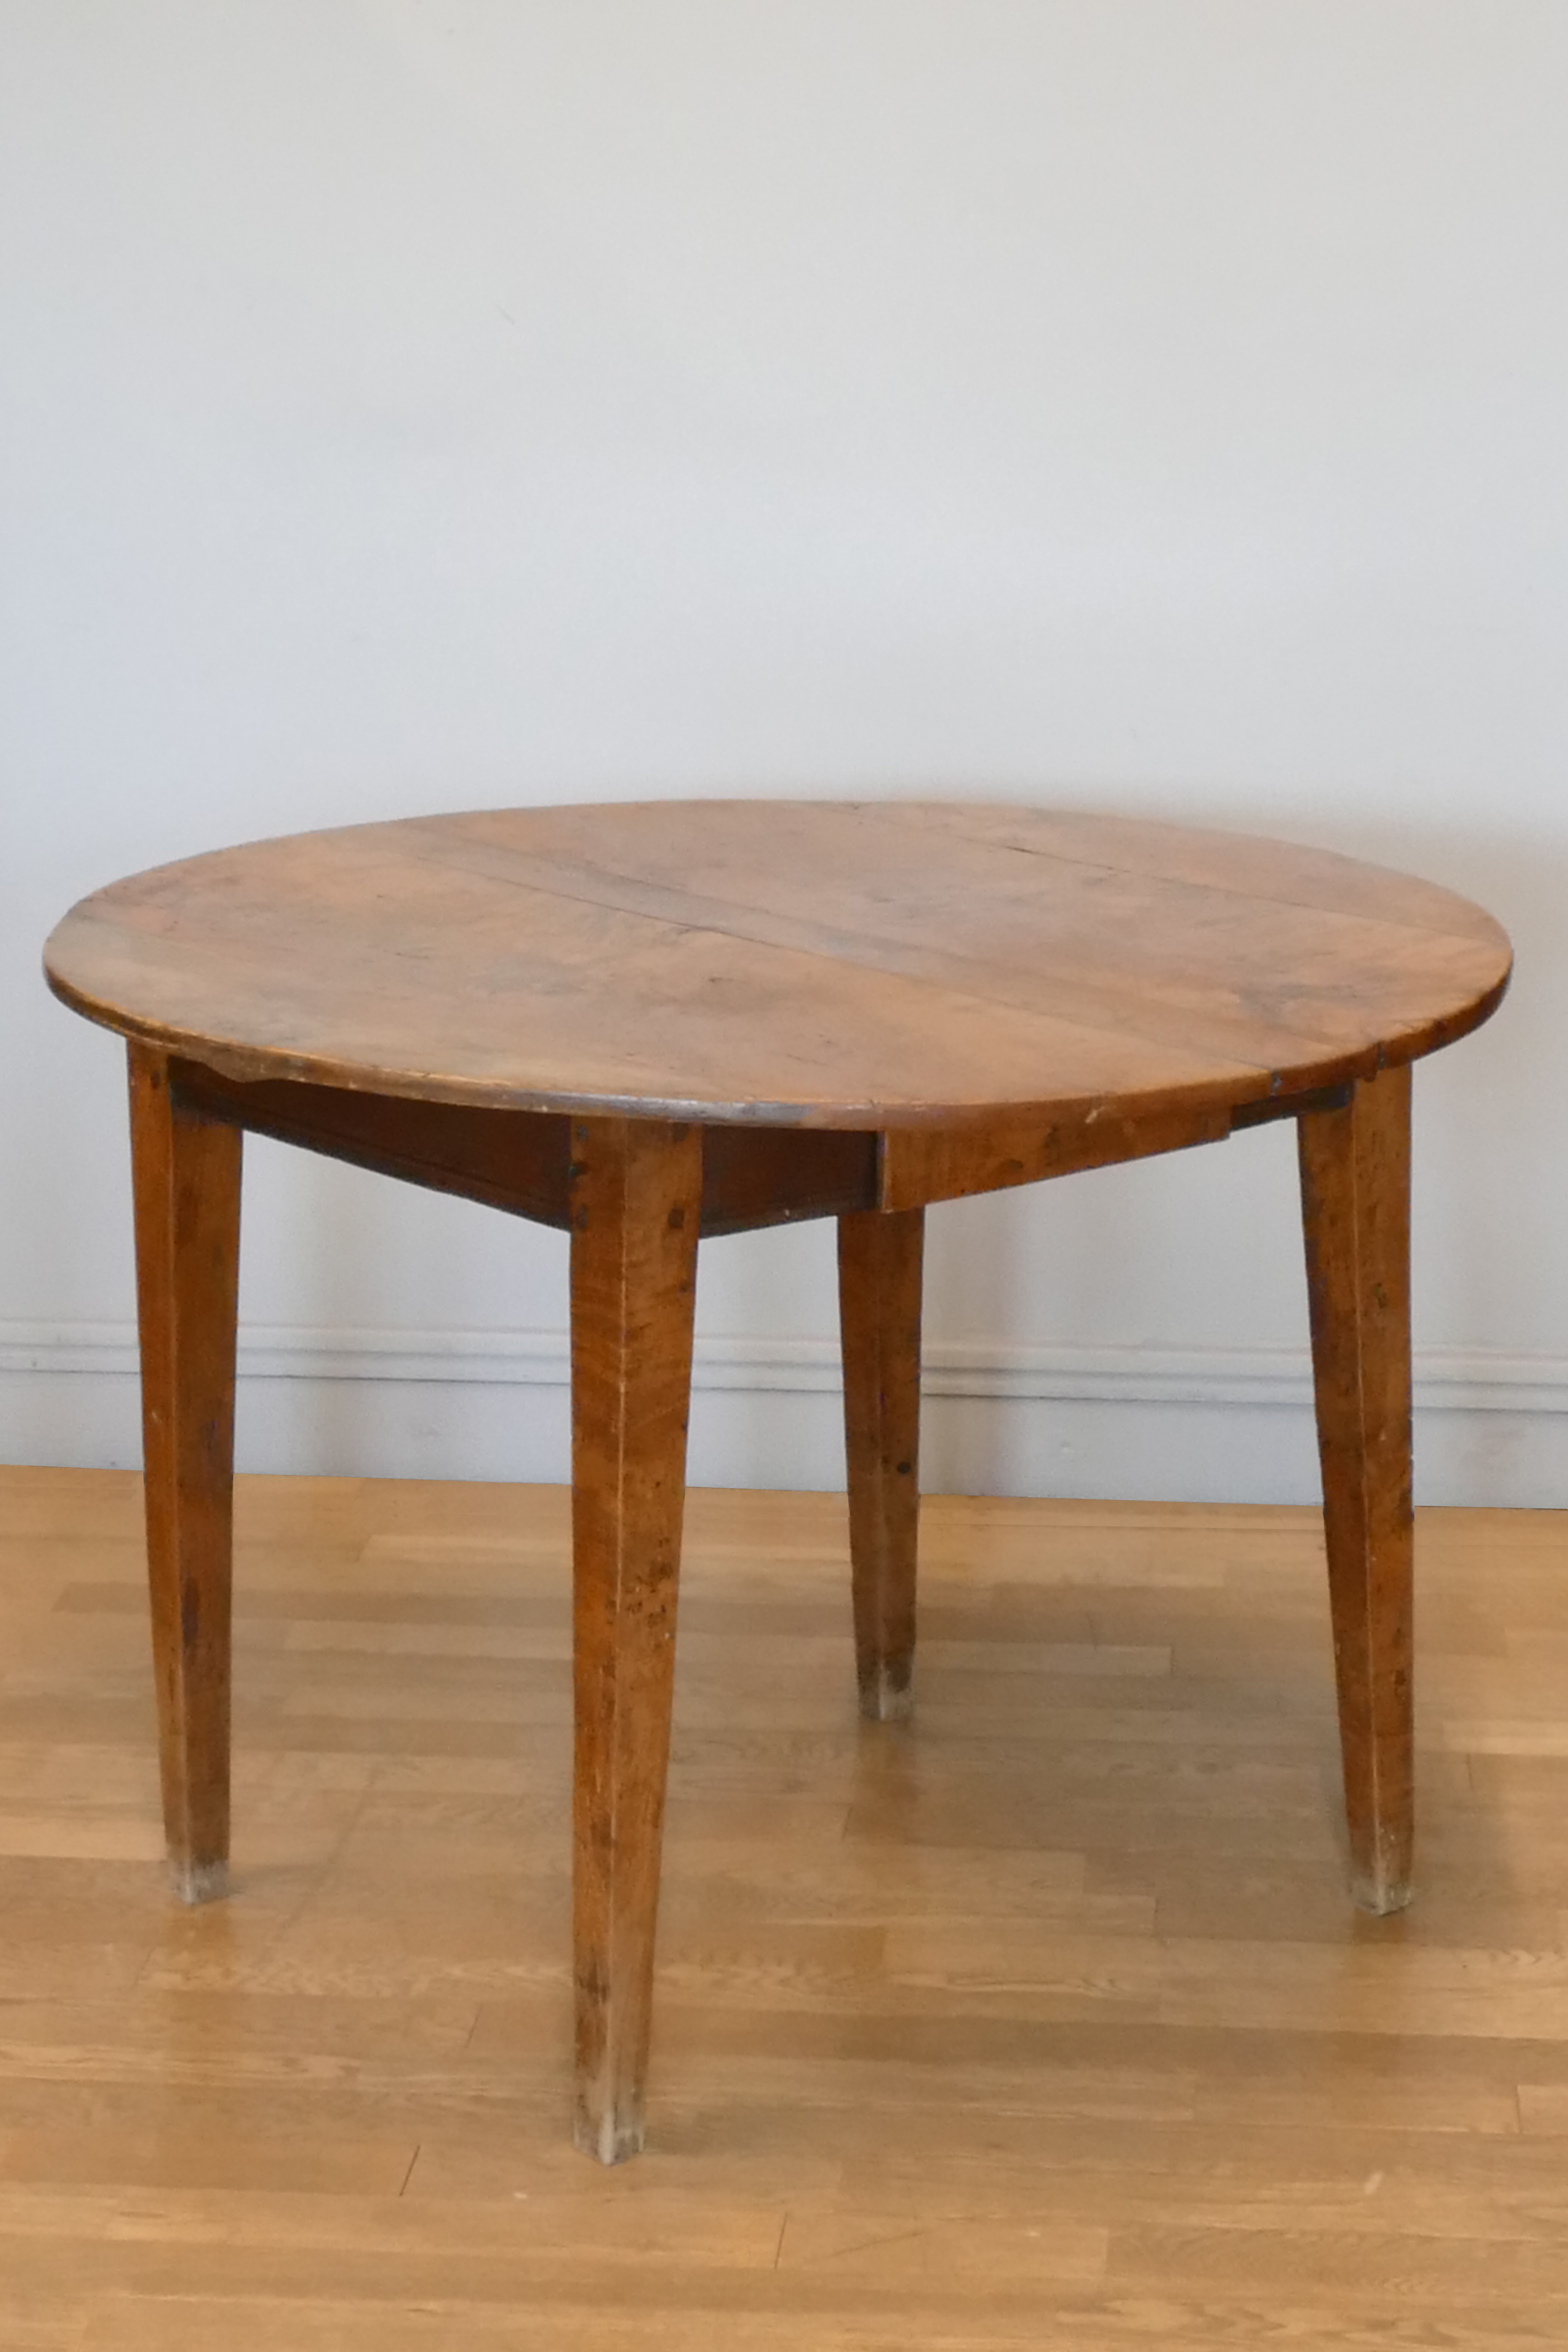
{"x": 836, "y": 964}
{"x": 1041, "y": 2019}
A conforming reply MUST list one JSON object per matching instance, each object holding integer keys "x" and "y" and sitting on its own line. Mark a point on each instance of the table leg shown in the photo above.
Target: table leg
{"x": 186, "y": 1171}
{"x": 879, "y": 1268}
{"x": 636, "y": 1199}
{"x": 1355, "y": 1193}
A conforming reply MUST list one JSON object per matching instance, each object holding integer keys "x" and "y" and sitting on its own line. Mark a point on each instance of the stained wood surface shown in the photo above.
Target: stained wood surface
{"x": 519, "y": 1160}
{"x": 636, "y": 1195}
{"x": 880, "y": 1280}
{"x": 186, "y": 1174}
{"x": 823, "y": 963}
{"x": 1355, "y": 1198}
{"x": 1044, "y": 2022}
{"x": 921, "y": 1165}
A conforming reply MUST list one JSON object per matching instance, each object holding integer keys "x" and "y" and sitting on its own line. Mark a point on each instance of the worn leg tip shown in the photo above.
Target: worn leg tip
{"x": 200, "y": 1882}
{"x": 608, "y": 2139}
{"x": 1380, "y": 1896}
{"x": 886, "y": 1699}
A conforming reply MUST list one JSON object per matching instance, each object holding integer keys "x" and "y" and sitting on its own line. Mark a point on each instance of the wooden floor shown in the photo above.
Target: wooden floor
{"x": 1041, "y": 2021}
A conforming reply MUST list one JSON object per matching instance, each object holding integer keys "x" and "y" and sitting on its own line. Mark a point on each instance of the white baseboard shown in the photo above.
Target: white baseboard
{"x": 1469, "y": 1380}
{"x": 1196, "y": 1423}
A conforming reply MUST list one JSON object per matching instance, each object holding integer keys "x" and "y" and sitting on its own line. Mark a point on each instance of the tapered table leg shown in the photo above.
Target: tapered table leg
{"x": 879, "y": 1269}
{"x": 186, "y": 1172}
{"x": 636, "y": 1199}
{"x": 1355, "y": 1192}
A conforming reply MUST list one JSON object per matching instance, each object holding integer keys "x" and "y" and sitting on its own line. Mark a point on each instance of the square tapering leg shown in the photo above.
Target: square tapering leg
{"x": 636, "y": 1199}
{"x": 186, "y": 1172}
{"x": 880, "y": 1274}
{"x": 1355, "y": 1192}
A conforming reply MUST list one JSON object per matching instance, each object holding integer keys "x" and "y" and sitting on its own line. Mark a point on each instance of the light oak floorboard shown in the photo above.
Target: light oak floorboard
{"x": 1043, "y": 2019}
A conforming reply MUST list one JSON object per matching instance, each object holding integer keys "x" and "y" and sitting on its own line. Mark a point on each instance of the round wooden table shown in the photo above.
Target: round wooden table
{"x": 645, "y": 1022}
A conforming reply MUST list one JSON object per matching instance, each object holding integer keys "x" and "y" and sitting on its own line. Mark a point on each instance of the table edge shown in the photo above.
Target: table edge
{"x": 1253, "y": 1083}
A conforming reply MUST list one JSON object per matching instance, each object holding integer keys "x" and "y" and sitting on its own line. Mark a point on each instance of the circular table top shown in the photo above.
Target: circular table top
{"x": 844, "y": 964}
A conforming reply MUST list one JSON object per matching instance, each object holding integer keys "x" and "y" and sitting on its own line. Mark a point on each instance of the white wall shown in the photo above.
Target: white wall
{"x": 1156, "y": 405}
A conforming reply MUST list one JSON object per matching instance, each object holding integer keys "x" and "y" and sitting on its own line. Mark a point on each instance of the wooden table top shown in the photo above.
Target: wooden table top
{"x": 816, "y": 963}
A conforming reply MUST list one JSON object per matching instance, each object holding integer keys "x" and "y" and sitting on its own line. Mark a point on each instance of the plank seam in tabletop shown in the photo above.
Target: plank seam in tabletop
{"x": 973, "y": 982}
{"x": 958, "y": 978}
{"x": 691, "y": 910}
{"x": 961, "y": 822}
{"x": 264, "y": 961}
{"x": 601, "y": 885}
{"x": 1225, "y": 889}
{"x": 245, "y": 1064}
{"x": 1226, "y": 1079}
